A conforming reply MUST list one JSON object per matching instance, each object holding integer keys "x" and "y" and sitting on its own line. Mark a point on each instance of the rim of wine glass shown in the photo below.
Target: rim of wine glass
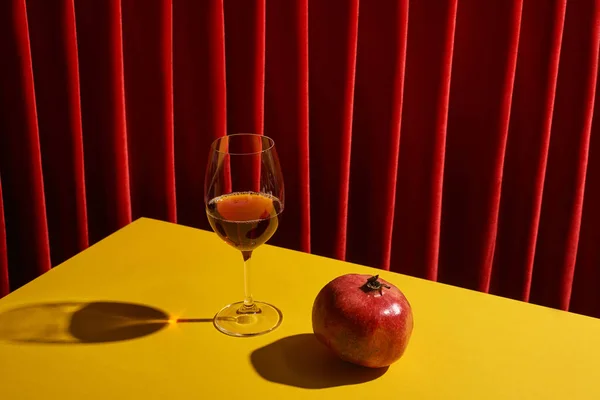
{"x": 213, "y": 145}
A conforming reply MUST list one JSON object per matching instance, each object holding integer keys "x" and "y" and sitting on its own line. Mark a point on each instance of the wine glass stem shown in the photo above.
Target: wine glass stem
{"x": 249, "y": 305}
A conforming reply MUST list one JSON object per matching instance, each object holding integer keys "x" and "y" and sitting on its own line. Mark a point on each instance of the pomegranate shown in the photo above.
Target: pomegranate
{"x": 363, "y": 320}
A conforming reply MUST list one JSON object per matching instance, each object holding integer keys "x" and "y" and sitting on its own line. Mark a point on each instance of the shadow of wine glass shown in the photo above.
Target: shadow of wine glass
{"x": 73, "y": 323}
{"x": 302, "y": 361}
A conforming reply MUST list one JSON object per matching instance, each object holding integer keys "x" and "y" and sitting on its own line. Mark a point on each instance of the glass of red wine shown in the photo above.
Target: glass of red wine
{"x": 244, "y": 196}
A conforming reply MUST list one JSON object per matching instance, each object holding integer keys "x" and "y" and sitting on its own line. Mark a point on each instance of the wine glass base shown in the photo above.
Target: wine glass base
{"x": 232, "y": 322}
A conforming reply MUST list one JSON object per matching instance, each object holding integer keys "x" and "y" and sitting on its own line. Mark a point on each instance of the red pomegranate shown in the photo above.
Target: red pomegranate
{"x": 363, "y": 319}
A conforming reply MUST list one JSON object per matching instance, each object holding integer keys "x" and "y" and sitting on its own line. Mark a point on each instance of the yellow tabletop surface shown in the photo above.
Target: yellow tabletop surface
{"x": 100, "y": 326}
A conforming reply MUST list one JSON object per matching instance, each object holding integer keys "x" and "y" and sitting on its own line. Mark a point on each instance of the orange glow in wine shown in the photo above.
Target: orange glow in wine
{"x": 245, "y": 220}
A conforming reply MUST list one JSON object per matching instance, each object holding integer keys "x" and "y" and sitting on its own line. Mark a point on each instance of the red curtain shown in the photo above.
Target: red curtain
{"x": 450, "y": 140}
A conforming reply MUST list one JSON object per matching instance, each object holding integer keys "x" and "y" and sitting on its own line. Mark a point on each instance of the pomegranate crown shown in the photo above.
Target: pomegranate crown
{"x": 374, "y": 284}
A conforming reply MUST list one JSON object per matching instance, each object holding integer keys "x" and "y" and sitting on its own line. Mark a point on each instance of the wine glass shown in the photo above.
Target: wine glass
{"x": 243, "y": 196}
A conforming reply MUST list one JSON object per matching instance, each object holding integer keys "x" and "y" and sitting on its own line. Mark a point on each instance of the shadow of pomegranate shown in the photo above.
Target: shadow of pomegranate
{"x": 302, "y": 361}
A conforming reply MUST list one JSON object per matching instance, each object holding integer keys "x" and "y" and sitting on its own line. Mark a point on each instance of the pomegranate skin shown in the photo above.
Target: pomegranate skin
{"x": 362, "y": 325}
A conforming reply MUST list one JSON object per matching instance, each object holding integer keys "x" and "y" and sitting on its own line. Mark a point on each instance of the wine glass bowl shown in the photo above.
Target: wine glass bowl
{"x": 244, "y": 196}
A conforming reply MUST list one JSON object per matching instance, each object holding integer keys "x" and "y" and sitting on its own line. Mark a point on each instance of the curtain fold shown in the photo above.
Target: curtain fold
{"x": 486, "y": 42}
{"x": 286, "y": 113}
{"x": 52, "y": 33}
{"x": 585, "y": 296}
{"x": 333, "y": 39}
{"x": 102, "y": 91}
{"x": 564, "y": 187}
{"x": 4, "y": 280}
{"x": 148, "y": 77}
{"x": 28, "y": 248}
{"x": 449, "y": 140}
{"x": 420, "y": 180}
{"x": 527, "y": 148}
{"x": 380, "y": 66}
{"x": 245, "y": 66}
{"x": 200, "y": 114}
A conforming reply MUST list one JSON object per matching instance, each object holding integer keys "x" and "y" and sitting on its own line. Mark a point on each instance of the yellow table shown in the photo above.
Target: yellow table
{"x": 96, "y": 327}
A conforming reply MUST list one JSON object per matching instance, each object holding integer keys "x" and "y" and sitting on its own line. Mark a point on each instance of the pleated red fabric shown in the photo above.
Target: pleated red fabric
{"x": 420, "y": 182}
{"x": 527, "y": 148}
{"x": 56, "y": 72}
{"x": 4, "y": 282}
{"x": 28, "y": 249}
{"x": 479, "y": 113}
{"x": 379, "y": 75}
{"x": 449, "y": 140}
{"x": 102, "y": 91}
{"x": 200, "y": 102}
{"x": 562, "y": 206}
{"x": 148, "y": 76}
{"x": 333, "y": 39}
{"x": 286, "y": 113}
